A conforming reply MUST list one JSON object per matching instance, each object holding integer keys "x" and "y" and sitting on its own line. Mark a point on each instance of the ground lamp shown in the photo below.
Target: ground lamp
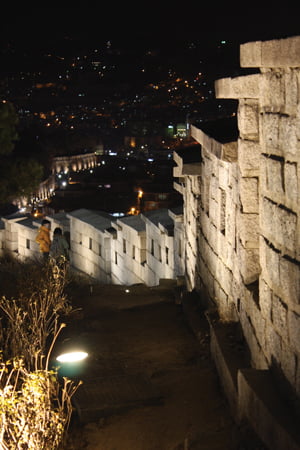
{"x": 71, "y": 363}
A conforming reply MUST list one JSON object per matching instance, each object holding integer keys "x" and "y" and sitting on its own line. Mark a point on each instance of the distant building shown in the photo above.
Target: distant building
{"x": 165, "y": 254}
{"x": 128, "y": 251}
{"x": 91, "y": 243}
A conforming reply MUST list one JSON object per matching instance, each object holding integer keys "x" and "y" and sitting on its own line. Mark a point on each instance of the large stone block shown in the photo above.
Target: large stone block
{"x": 250, "y": 54}
{"x": 223, "y": 178}
{"x": 281, "y": 52}
{"x": 274, "y": 181}
{"x": 279, "y": 317}
{"x": 273, "y": 348}
{"x": 272, "y": 92}
{"x": 291, "y": 182}
{"x": 258, "y": 359}
{"x": 294, "y": 329}
{"x": 224, "y": 277}
{"x": 288, "y": 141}
{"x": 248, "y": 229}
{"x": 291, "y": 89}
{"x": 239, "y": 87}
{"x": 274, "y": 53}
{"x": 289, "y": 363}
{"x": 214, "y": 211}
{"x": 269, "y": 261}
{"x": 214, "y": 188}
{"x": 279, "y": 225}
{"x": 269, "y": 133}
{"x": 249, "y": 195}
{"x": 249, "y": 263}
{"x": 230, "y": 221}
{"x": 265, "y": 299}
{"x": 248, "y": 120}
{"x": 258, "y": 322}
{"x": 248, "y": 157}
{"x": 289, "y": 279}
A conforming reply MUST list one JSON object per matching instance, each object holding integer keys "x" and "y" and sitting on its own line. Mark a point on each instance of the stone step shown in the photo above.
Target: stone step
{"x": 103, "y": 396}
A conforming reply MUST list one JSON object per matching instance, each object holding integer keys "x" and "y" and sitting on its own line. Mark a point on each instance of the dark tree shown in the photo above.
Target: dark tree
{"x": 20, "y": 175}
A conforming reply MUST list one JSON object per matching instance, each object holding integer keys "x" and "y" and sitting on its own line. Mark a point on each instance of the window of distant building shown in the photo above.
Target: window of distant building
{"x": 100, "y": 250}
{"x": 133, "y": 252}
{"x": 179, "y": 248}
{"x": 159, "y": 253}
{"x": 28, "y": 244}
{"x": 124, "y": 245}
{"x": 162, "y": 196}
{"x": 152, "y": 247}
{"x": 167, "y": 255}
{"x": 116, "y": 258}
{"x": 90, "y": 243}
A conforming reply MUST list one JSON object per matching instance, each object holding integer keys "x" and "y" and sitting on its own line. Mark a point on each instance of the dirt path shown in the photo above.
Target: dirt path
{"x": 144, "y": 332}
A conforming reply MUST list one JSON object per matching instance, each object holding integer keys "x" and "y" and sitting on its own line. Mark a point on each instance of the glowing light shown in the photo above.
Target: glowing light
{"x": 72, "y": 357}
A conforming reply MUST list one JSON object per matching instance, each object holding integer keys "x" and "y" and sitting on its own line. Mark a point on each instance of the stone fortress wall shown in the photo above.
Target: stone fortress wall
{"x": 238, "y": 240}
{"x": 242, "y": 213}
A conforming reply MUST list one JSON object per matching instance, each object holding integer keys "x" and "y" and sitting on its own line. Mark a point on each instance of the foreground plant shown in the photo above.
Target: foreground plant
{"x": 35, "y": 408}
{"x": 34, "y": 316}
{"x": 35, "y": 404}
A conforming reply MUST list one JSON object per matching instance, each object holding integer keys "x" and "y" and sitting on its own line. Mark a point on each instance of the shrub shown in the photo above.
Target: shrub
{"x": 35, "y": 405}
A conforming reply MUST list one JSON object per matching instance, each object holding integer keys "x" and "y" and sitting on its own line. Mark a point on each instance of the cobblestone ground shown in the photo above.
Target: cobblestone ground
{"x": 143, "y": 335}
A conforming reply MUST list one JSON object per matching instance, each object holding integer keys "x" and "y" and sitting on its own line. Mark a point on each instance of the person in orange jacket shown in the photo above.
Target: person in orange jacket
{"x": 43, "y": 238}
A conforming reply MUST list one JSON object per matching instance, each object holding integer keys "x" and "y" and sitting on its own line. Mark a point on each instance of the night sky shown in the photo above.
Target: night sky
{"x": 163, "y": 23}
